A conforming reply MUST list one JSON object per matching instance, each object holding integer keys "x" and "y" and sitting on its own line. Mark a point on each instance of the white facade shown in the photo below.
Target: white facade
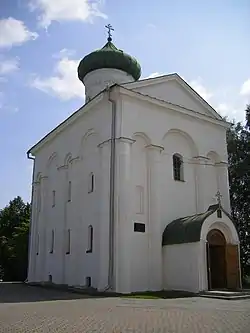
{"x": 155, "y": 119}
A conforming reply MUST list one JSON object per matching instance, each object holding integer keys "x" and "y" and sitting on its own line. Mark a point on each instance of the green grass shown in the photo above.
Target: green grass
{"x": 159, "y": 294}
{"x": 141, "y": 296}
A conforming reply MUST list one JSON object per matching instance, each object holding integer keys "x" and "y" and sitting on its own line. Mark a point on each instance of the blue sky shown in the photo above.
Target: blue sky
{"x": 42, "y": 41}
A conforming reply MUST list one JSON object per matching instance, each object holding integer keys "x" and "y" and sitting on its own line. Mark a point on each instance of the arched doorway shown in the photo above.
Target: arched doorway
{"x": 216, "y": 260}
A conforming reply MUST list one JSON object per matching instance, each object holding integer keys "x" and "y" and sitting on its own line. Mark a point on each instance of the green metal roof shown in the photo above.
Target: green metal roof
{"x": 109, "y": 57}
{"x": 186, "y": 229}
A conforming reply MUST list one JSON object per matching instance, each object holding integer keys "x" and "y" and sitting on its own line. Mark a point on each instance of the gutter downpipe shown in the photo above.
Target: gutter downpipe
{"x": 112, "y": 194}
{"x": 31, "y": 204}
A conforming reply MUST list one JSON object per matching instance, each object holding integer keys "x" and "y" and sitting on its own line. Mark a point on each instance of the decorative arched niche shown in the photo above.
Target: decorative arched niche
{"x": 140, "y": 173}
{"x": 178, "y": 141}
{"x": 89, "y": 144}
{"x": 67, "y": 159}
{"x": 52, "y": 162}
{"x": 213, "y": 157}
{"x": 38, "y": 192}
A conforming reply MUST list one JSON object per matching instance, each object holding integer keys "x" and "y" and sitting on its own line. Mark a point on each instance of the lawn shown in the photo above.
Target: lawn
{"x": 160, "y": 294}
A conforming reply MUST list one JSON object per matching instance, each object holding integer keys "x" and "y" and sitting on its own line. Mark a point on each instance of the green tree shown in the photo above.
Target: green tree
{"x": 14, "y": 235}
{"x": 239, "y": 178}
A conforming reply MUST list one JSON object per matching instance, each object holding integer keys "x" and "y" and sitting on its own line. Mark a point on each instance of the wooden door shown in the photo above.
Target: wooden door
{"x": 217, "y": 266}
{"x": 233, "y": 269}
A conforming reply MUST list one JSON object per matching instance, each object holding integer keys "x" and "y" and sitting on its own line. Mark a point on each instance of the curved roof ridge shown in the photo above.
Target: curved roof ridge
{"x": 186, "y": 229}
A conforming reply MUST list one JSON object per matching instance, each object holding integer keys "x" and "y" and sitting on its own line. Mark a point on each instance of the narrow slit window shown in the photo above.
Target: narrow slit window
{"x": 52, "y": 241}
{"x": 37, "y": 244}
{"x": 90, "y": 239}
{"x": 178, "y": 167}
{"x": 53, "y": 198}
{"x": 68, "y": 241}
{"x": 91, "y": 183}
{"x": 69, "y": 191}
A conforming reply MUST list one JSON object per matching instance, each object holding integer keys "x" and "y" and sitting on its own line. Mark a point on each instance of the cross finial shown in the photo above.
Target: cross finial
{"x": 110, "y": 28}
{"x": 218, "y": 197}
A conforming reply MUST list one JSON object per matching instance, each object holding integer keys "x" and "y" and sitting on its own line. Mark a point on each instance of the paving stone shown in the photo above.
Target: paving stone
{"x": 33, "y": 309}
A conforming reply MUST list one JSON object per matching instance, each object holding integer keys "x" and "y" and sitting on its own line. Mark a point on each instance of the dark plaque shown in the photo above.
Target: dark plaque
{"x": 139, "y": 227}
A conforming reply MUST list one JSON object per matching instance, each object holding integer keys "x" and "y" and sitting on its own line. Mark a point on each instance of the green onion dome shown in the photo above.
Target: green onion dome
{"x": 109, "y": 57}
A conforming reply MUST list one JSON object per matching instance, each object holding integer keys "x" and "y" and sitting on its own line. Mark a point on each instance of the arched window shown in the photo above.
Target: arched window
{"x": 53, "y": 198}
{"x": 178, "y": 167}
{"x": 90, "y": 239}
{"x": 91, "y": 182}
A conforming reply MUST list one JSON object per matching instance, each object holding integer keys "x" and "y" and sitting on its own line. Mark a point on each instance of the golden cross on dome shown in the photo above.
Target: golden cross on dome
{"x": 110, "y": 28}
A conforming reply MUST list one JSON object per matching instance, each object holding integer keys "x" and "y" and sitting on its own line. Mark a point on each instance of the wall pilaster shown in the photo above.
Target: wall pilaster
{"x": 33, "y": 232}
{"x": 104, "y": 215}
{"x": 123, "y": 224}
{"x": 154, "y": 228}
{"x": 200, "y": 182}
{"x": 43, "y": 228}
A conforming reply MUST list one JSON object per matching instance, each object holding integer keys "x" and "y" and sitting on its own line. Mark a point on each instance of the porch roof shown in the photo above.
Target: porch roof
{"x": 187, "y": 229}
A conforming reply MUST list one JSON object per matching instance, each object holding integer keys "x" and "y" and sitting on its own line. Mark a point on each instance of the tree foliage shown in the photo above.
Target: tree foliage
{"x": 14, "y": 235}
{"x": 239, "y": 178}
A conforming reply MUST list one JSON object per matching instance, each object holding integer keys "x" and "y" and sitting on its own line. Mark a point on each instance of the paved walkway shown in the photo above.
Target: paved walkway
{"x": 33, "y": 309}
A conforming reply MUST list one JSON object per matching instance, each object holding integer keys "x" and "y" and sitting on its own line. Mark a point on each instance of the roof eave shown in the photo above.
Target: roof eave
{"x": 67, "y": 122}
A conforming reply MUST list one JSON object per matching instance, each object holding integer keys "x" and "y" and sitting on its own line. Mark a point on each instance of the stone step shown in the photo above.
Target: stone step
{"x": 225, "y": 294}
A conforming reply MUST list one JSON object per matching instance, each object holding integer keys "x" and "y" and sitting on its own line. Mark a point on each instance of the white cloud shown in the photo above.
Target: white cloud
{"x": 231, "y": 111}
{"x": 64, "y": 53}
{"x": 5, "y": 106}
{"x": 65, "y": 83}
{"x": 14, "y": 32}
{"x": 224, "y": 109}
{"x": 66, "y": 10}
{"x": 153, "y": 75}
{"x": 199, "y": 87}
{"x": 151, "y": 26}
{"x": 9, "y": 65}
{"x": 245, "y": 89}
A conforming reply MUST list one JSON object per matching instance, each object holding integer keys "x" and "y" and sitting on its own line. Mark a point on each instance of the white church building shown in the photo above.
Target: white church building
{"x": 130, "y": 193}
